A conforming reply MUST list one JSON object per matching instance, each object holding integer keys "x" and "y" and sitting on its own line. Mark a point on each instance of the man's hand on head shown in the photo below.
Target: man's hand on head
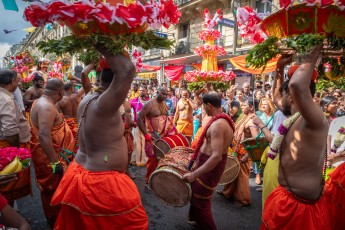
{"x": 284, "y": 60}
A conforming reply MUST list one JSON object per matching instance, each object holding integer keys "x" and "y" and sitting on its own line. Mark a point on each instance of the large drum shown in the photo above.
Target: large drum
{"x": 163, "y": 146}
{"x": 255, "y": 147}
{"x": 166, "y": 181}
{"x": 231, "y": 171}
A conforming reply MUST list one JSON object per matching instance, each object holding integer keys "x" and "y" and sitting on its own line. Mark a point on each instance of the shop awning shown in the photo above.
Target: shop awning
{"x": 239, "y": 62}
{"x": 147, "y": 75}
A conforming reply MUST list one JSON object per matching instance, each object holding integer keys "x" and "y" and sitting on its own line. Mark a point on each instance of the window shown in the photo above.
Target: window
{"x": 264, "y": 7}
{"x": 184, "y": 30}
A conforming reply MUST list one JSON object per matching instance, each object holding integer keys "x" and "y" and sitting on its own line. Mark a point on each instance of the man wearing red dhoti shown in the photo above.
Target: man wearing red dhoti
{"x": 95, "y": 192}
{"x": 239, "y": 189}
{"x": 50, "y": 134}
{"x": 154, "y": 122}
{"x": 211, "y": 159}
{"x": 298, "y": 203}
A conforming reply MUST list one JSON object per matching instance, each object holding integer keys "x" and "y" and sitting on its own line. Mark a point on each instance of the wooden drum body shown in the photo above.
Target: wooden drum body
{"x": 231, "y": 171}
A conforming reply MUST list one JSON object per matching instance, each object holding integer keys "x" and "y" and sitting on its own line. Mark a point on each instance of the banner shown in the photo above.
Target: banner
{"x": 173, "y": 73}
{"x": 240, "y": 63}
{"x": 10, "y": 5}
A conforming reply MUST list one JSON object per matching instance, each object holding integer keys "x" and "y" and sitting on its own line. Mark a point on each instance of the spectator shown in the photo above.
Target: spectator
{"x": 329, "y": 106}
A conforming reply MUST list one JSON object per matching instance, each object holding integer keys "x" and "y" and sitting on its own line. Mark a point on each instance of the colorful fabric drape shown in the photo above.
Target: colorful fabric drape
{"x": 173, "y": 73}
{"x": 98, "y": 200}
{"x": 240, "y": 63}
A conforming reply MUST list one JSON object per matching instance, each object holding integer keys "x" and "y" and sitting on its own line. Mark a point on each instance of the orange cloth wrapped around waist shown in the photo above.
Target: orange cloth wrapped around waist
{"x": 185, "y": 127}
{"x": 129, "y": 140}
{"x": 98, "y": 200}
{"x": 335, "y": 196}
{"x": 73, "y": 125}
{"x": 62, "y": 138}
{"x": 282, "y": 212}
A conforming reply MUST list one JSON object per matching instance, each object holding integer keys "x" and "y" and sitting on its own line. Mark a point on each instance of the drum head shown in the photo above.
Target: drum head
{"x": 231, "y": 171}
{"x": 167, "y": 185}
{"x": 160, "y": 148}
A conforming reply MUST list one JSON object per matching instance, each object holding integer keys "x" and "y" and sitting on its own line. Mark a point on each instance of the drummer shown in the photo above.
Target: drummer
{"x": 154, "y": 122}
{"x": 239, "y": 190}
{"x": 211, "y": 160}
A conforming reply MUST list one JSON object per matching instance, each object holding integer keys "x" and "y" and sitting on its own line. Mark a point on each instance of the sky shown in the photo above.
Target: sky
{"x": 11, "y": 20}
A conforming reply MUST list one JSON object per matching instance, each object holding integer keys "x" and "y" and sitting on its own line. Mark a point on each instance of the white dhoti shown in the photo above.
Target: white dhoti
{"x": 138, "y": 154}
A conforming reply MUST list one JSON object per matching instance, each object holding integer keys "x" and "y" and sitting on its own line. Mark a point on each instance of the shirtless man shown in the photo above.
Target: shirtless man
{"x": 34, "y": 92}
{"x": 158, "y": 125}
{"x": 50, "y": 133}
{"x": 239, "y": 190}
{"x": 95, "y": 183}
{"x": 301, "y": 154}
{"x": 68, "y": 105}
{"x": 211, "y": 162}
{"x": 183, "y": 118}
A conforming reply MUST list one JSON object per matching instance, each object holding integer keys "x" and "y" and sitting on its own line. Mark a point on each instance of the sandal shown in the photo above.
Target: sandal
{"x": 239, "y": 204}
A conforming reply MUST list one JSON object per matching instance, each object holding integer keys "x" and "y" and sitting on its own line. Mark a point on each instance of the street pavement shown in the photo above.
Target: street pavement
{"x": 161, "y": 216}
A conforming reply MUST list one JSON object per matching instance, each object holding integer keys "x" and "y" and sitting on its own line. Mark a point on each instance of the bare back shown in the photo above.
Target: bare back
{"x": 69, "y": 105}
{"x": 302, "y": 159}
{"x": 218, "y": 137}
{"x": 41, "y": 106}
{"x": 102, "y": 146}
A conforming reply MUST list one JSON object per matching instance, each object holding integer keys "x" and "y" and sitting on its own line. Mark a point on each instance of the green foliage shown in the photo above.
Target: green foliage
{"x": 194, "y": 86}
{"x": 323, "y": 84}
{"x": 303, "y": 43}
{"x": 84, "y": 46}
{"x": 262, "y": 53}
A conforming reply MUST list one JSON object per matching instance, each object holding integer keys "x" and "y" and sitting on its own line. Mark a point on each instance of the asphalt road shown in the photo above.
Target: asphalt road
{"x": 161, "y": 216}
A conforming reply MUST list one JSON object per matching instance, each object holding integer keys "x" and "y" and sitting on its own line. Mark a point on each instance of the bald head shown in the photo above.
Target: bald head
{"x": 213, "y": 98}
{"x": 54, "y": 84}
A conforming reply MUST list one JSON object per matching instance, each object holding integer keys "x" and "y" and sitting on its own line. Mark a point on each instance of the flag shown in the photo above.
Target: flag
{"x": 10, "y": 5}
{"x": 30, "y": 29}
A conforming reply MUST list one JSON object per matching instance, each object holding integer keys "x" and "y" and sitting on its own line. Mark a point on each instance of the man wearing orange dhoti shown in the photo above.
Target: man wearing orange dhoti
{"x": 239, "y": 190}
{"x": 95, "y": 193}
{"x": 154, "y": 122}
{"x": 298, "y": 203}
{"x": 183, "y": 118}
{"x": 50, "y": 133}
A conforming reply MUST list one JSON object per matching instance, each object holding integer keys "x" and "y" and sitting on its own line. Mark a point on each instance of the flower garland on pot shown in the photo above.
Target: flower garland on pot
{"x": 279, "y": 137}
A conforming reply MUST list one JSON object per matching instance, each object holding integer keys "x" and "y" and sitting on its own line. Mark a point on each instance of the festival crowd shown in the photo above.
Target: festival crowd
{"x": 83, "y": 141}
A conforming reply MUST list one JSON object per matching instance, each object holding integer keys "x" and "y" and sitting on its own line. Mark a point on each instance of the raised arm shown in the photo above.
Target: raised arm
{"x": 124, "y": 71}
{"x": 85, "y": 80}
{"x": 299, "y": 88}
{"x": 284, "y": 60}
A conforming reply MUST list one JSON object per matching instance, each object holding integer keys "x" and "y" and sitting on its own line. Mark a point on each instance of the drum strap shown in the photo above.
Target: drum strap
{"x": 203, "y": 135}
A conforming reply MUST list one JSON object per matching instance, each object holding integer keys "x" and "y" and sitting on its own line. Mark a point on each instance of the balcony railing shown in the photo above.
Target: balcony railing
{"x": 183, "y": 46}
